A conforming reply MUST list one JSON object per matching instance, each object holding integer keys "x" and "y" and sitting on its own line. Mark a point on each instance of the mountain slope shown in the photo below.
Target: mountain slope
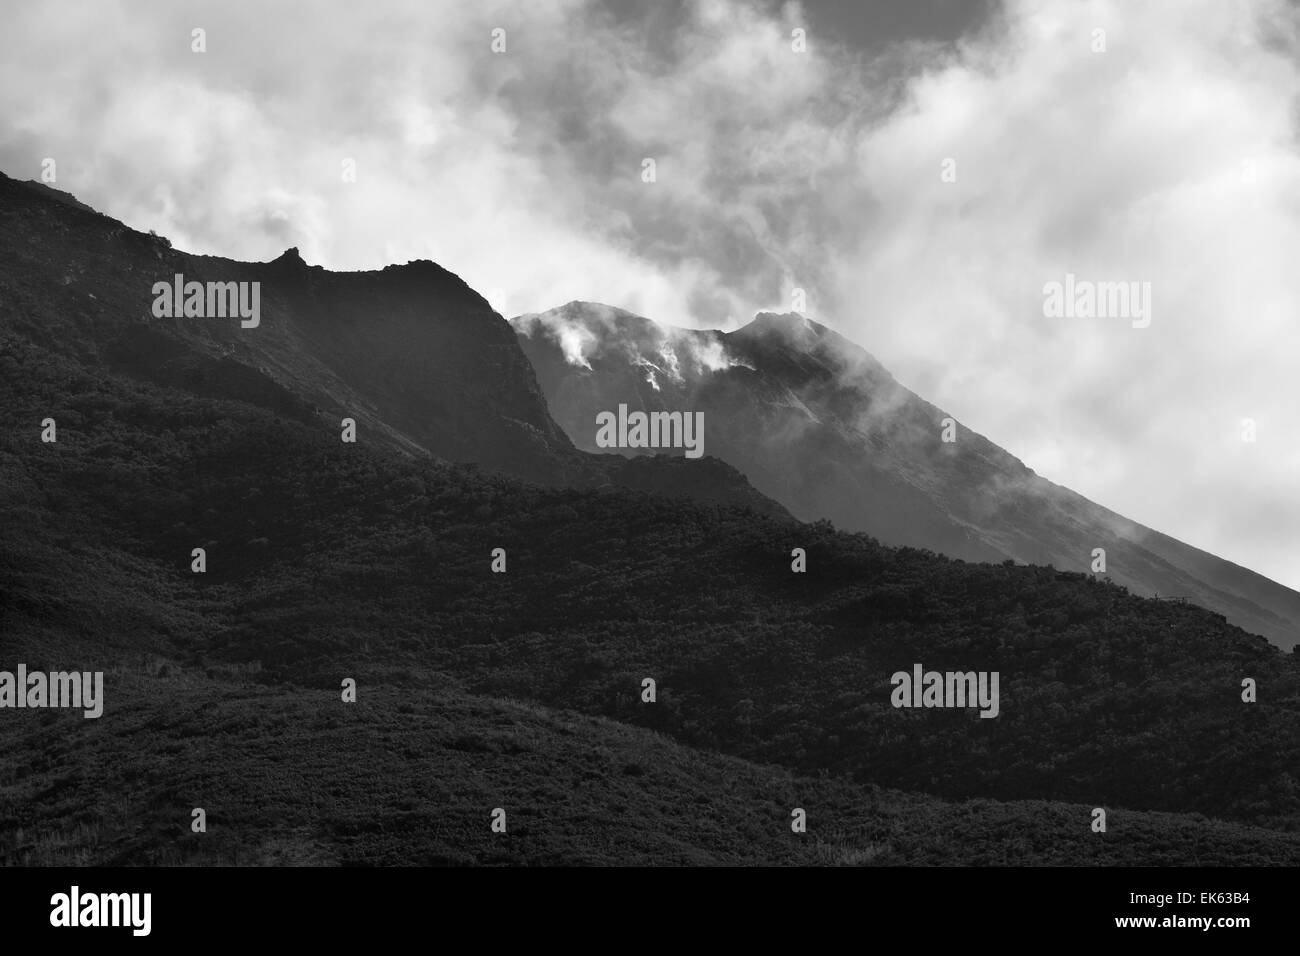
{"x": 411, "y": 353}
{"x": 819, "y": 425}
{"x": 327, "y": 560}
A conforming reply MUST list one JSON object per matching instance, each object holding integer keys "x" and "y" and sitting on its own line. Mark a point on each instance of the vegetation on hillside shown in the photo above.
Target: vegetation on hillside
{"x": 328, "y": 560}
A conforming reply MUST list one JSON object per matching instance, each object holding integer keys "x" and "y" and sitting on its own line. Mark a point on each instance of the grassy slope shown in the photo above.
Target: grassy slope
{"x": 410, "y": 776}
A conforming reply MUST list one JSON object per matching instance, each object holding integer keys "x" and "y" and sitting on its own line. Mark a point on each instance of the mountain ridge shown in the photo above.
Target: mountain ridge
{"x": 411, "y": 352}
{"x": 819, "y": 424}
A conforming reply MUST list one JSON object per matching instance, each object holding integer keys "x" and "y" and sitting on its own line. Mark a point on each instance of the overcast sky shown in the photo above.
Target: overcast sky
{"x": 1169, "y": 157}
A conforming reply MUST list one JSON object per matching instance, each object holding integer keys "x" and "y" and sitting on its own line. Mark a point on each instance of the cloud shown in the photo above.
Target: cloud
{"x": 519, "y": 170}
{"x": 776, "y": 171}
{"x": 1169, "y": 158}
{"x": 591, "y": 330}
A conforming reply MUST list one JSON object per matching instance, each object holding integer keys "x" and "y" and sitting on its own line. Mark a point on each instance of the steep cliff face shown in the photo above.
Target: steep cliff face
{"x": 818, "y": 424}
